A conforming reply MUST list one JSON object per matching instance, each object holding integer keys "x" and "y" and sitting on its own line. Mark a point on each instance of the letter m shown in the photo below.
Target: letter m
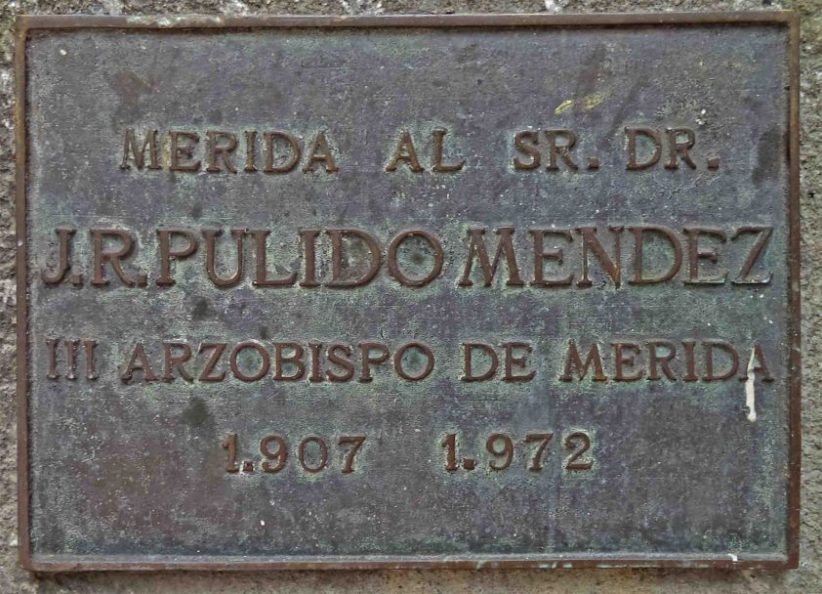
{"x": 573, "y": 362}
{"x": 478, "y": 251}
{"x": 138, "y": 153}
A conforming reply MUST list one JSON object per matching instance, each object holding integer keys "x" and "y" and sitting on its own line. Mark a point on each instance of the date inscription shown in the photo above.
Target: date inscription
{"x": 311, "y": 453}
{"x": 533, "y": 448}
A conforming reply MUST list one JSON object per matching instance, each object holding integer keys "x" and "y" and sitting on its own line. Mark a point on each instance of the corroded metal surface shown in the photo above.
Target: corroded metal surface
{"x": 333, "y": 400}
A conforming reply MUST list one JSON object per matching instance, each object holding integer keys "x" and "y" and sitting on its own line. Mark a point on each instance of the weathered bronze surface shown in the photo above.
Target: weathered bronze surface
{"x": 408, "y": 291}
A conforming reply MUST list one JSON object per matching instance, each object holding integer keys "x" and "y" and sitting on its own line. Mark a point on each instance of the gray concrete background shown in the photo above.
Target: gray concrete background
{"x": 807, "y": 579}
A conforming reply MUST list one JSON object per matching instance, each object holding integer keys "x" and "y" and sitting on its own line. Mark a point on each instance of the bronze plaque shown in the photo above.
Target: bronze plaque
{"x": 456, "y": 291}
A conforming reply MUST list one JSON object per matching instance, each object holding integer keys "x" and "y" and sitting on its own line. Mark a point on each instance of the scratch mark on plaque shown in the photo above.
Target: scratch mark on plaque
{"x": 564, "y": 106}
{"x": 591, "y": 101}
{"x": 750, "y": 388}
{"x": 586, "y": 103}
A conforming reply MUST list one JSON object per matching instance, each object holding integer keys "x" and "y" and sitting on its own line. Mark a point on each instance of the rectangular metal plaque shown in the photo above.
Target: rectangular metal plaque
{"x": 408, "y": 291}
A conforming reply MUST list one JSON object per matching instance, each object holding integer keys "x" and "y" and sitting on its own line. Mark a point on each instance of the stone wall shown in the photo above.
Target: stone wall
{"x": 807, "y": 579}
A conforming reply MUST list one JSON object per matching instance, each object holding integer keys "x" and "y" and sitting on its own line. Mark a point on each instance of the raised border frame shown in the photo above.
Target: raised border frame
{"x": 63, "y": 563}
